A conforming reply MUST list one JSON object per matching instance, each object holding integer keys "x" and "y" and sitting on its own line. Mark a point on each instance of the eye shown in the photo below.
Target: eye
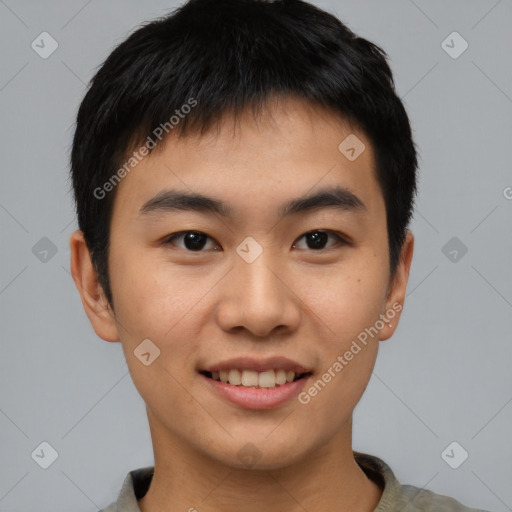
{"x": 196, "y": 241}
{"x": 316, "y": 239}
{"x": 193, "y": 240}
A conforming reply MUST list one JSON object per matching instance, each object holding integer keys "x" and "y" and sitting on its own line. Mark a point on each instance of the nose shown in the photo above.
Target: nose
{"x": 258, "y": 297}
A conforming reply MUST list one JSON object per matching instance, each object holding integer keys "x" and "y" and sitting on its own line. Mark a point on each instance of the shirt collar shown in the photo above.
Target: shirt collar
{"x": 137, "y": 482}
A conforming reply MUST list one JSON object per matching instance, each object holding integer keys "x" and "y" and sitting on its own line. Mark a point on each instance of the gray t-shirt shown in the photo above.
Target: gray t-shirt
{"x": 395, "y": 497}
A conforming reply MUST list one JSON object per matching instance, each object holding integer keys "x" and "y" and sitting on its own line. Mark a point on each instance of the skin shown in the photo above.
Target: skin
{"x": 202, "y": 308}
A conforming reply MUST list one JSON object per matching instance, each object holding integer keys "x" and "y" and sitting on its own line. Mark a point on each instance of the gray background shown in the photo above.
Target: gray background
{"x": 445, "y": 376}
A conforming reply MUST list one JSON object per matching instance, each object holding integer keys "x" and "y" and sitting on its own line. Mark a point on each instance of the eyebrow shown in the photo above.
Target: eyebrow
{"x": 333, "y": 197}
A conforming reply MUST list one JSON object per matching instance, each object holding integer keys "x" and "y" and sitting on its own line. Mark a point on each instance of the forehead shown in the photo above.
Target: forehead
{"x": 288, "y": 150}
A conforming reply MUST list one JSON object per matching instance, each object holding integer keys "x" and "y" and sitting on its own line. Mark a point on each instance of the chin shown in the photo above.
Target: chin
{"x": 258, "y": 453}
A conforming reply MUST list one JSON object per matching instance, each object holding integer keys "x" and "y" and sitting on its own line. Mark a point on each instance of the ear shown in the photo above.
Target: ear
{"x": 91, "y": 292}
{"x": 396, "y": 295}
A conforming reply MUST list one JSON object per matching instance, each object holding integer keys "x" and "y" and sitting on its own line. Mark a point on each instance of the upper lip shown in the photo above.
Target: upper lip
{"x": 258, "y": 365}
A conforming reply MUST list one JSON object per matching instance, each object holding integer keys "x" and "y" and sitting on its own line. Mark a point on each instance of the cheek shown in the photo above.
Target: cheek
{"x": 330, "y": 399}
{"x": 150, "y": 298}
{"x": 346, "y": 301}
{"x": 164, "y": 304}
{"x": 153, "y": 303}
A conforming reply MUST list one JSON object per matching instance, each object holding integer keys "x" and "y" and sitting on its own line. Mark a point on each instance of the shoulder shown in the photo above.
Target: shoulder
{"x": 134, "y": 487}
{"x": 405, "y": 498}
{"x": 111, "y": 508}
{"x": 422, "y": 500}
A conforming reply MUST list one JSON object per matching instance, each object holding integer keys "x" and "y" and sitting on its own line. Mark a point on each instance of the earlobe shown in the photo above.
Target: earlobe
{"x": 396, "y": 296}
{"x": 88, "y": 286}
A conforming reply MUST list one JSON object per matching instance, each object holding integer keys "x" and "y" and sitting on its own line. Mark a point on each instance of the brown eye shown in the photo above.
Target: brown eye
{"x": 317, "y": 239}
{"x": 192, "y": 240}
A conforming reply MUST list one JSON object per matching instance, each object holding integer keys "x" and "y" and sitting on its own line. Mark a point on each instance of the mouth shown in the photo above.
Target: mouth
{"x": 249, "y": 389}
{"x": 256, "y": 383}
{"x": 267, "y": 379}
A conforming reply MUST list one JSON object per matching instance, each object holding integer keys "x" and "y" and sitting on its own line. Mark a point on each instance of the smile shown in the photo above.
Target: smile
{"x": 247, "y": 395}
{"x": 253, "y": 379}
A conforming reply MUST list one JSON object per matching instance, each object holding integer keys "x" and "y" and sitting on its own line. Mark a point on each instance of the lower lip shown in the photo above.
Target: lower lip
{"x": 257, "y": 398}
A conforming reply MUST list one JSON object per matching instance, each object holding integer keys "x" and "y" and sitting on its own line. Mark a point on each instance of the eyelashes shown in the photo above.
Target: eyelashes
{"x": 193, "y": 238}
{"x": 317, "y": 237}
{"x": 196, "y": 241}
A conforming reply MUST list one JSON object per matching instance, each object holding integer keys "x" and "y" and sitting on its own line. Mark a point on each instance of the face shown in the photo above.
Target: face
{"x": 242, "y": 276}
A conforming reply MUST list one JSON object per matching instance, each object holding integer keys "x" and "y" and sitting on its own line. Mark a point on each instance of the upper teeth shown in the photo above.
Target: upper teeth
{"x": 250, "y": 378}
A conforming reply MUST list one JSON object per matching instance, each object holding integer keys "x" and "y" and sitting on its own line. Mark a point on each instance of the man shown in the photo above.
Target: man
{"x": 244, "y": 175}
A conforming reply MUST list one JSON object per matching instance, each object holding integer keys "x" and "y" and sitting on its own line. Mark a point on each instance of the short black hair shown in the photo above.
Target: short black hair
{"x": 222, "y": 56}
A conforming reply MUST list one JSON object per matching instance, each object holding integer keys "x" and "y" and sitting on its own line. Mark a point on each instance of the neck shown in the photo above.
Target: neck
{"x": 328, "y": 480}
